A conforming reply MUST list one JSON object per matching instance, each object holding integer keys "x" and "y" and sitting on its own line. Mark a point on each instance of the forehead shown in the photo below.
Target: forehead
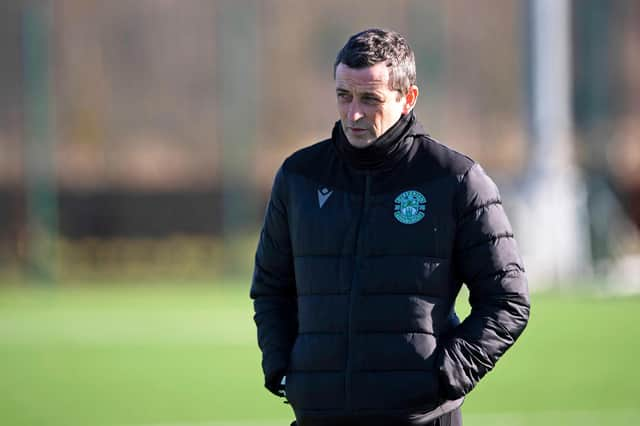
{"x": 375, "y": 77}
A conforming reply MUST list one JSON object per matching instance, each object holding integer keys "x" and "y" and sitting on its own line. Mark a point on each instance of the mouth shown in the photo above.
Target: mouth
{"x": 357, "y": 130}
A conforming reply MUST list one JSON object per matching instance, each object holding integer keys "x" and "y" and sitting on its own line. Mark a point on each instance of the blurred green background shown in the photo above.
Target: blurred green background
{"x": 170, "y": 355}
{"x": 138, "y": 143}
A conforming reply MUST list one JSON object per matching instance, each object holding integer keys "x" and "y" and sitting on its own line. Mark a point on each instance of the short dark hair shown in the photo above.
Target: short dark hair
{"x": 372, "y": 46}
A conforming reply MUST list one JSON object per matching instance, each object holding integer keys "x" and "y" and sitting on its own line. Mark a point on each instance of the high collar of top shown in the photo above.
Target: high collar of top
{"x": 385, "y": 151}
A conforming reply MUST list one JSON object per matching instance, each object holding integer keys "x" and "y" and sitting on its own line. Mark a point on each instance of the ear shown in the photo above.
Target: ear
{"x": 410, "y": 99}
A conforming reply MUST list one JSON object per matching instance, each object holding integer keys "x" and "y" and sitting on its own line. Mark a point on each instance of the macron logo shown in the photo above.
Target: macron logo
{"x": 323, "y": 195}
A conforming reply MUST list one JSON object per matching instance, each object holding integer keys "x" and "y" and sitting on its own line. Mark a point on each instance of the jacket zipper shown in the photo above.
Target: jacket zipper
{"x": 359, "y": 248}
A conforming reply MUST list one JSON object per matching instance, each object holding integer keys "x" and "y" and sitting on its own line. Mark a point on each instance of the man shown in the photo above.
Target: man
{"x": 367, "y": 239}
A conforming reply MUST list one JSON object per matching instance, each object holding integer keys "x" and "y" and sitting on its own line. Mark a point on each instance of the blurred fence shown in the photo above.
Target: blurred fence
{"x": 155, "y": 127}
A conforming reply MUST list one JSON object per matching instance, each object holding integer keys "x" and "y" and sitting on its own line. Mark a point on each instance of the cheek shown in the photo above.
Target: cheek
{"x": 391, "y": 115}
{"x": 342, "y": 109}
{"x": 380, "y": 118}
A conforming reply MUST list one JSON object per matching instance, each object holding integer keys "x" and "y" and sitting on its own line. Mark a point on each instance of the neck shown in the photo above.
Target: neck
{"x": 383, "y": 152}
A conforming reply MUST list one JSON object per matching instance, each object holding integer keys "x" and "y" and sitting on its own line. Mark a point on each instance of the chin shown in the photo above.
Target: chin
{"x": 360, "y": 142}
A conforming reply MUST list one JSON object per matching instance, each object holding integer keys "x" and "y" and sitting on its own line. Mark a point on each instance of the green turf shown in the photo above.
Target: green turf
{"x": 187, "y": 356}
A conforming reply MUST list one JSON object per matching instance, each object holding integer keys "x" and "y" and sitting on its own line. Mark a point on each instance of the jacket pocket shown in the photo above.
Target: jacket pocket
{"x": 315, "y": 390}
{"x": 395, "y": 390}
{"x": 318, "y": 352}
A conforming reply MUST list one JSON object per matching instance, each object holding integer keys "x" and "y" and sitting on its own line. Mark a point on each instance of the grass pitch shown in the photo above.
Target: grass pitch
{"x": 170, "y": 355}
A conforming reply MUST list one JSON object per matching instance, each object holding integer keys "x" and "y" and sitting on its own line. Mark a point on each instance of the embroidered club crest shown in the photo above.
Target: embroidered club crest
{"x": 409, "y": 207}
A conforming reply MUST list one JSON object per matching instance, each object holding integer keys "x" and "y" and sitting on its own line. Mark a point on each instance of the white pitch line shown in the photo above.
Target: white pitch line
{"x": 221, "y": 423}
{"x": 122, "y": 330}
{"x": 619, "y": 417}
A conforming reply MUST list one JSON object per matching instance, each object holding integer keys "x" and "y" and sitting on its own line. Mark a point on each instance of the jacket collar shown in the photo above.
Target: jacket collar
{"x": 384, "y": 152}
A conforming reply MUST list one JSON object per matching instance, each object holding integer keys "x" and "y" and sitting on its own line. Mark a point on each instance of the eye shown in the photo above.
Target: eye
{"x": 371, "y": 100}
{"x": 344, "y": 97}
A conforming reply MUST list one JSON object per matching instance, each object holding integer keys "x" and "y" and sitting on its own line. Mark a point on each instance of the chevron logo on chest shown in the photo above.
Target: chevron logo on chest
{"x": 323, "y": 195}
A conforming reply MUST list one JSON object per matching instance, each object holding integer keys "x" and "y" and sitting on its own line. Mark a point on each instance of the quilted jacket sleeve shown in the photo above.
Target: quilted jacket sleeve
{"x": 487, "y": 261}
{"x": 273, "y": 289}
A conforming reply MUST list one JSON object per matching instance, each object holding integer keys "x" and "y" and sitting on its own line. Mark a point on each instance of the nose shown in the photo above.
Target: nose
{"x": 355, "y": 112}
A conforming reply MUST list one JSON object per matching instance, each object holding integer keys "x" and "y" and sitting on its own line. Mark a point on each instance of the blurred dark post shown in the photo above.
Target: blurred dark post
{"x": 237, "y": 63}
{"x": 593, "y": 105}
{"x": 41, "y": 204}
{"x": 553, "y": 220}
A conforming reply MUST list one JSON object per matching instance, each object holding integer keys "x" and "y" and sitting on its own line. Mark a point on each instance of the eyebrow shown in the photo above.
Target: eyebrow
{"x": 363, "y": 94}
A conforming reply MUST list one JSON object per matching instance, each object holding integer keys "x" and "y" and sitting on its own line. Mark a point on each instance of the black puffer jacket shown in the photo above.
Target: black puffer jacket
{"x": 362, "y": 254}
